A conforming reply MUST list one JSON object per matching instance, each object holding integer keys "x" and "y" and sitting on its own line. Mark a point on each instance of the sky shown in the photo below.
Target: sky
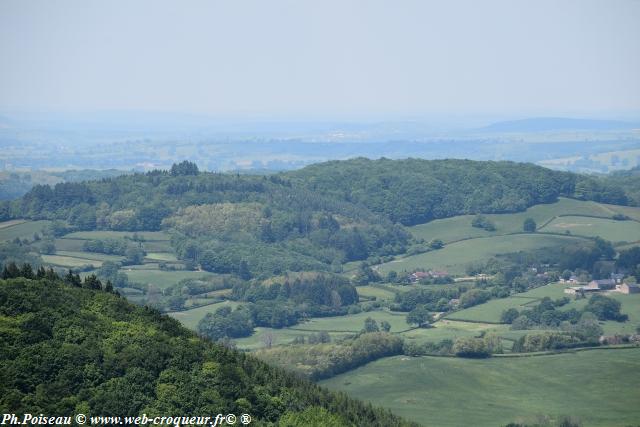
{"x": 322, "y": 58}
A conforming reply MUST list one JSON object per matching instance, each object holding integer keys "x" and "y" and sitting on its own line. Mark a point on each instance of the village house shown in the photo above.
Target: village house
{"x": 628, "y": 288}
{"x": 416, "y": 276}
{"x": 602, "y": 284}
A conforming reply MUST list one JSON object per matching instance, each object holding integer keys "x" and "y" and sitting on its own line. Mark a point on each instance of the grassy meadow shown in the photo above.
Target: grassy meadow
{"x": 459, "y": 227}
{"x": 615, "y": 231}
{"x": 9, "y": 230}
{"x": 190, "y": 318}
{"x": 455, "y": 392}
{"x": 354, "y": 322}
{"x": 161, "y": 278}
{"x": 455, "y": 257}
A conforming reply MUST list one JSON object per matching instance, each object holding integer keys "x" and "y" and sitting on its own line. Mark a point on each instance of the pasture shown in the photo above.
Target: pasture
{"x": 190, "y": 318}
{"x": 609, "y": 229}
{"x": 456, "y": 256}
{"x": 491, "y": 310}
{"x": 105, "y": 234}
{"x": 91, "y": 256}
{"x": 161, "y": 278}
{"x": 375, "y": 292}
{"x": 354, "y": 322}
{"x": 451, "y": 329}
{"x": 459, "y": 227}
{"x": 161, "y": 256}
{"x": 279, "y": 337}
{"x": 9, "y": 230}
{"x": 69, "y": 262}
{"x": 599, "y": 387}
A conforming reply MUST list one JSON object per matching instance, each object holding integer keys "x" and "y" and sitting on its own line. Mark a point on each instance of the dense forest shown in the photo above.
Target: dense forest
{"x": 414, "y": 191}
{"x": 89, "y": 351}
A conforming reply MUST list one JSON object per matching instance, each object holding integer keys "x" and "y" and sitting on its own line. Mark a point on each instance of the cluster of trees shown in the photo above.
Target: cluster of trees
{"x": 581, "y": 326}
{"x": 318, "y": 361}
{"x": 548, "y": 340}
{"x": 92, "y": 351}
{"x": 226, "y": 323}
{"x": 547, "y": 314}
{"x": 472, "y": 347}
{"x": 629, "y": 260}
{"x": 436, "y": 299}
{"x": 133, "y": 253}
{"x": 481, "y": 221}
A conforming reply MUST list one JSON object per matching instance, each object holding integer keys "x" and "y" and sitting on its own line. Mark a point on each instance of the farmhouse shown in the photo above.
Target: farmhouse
{"x": 416, "y": 276}
{"x": 573, "y": 290}
{"x": 431, "y": 274}
{"x": 602, "y": 285}
{"x": 628, "y": 288}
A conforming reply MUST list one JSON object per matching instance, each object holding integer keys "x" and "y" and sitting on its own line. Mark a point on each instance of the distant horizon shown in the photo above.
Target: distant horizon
{"x": 356, "y": 60}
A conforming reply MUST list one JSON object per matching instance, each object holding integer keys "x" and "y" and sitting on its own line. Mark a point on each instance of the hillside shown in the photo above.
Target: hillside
{"x": 414, "y": 191}
{"x": 88, "y": 351}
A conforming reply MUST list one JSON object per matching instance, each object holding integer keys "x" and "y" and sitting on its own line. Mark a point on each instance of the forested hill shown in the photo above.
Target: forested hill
{"x": 414, "y": 191}
{"x": 66, "y": 349}
{"x": 316, "y": 218}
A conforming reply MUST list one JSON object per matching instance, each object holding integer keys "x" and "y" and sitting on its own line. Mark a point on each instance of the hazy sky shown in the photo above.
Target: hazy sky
{"x": 322, "y": 58}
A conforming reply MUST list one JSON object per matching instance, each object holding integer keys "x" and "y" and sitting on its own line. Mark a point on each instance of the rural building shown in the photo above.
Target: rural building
{"x": 628, "y": 288}
{"x": 431, "y": 274}
{"x": 418, "y": 275}
{"x": 602, "y": 284}
{"x": 573, "y": 290}
{"x": 617, "y": 277}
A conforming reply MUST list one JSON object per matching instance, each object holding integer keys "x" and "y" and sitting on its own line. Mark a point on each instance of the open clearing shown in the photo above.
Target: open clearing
{"x": 609, "y": 229}
{"x": 491, "y": 310}
{"x": 600, "y": 387}
{"x": 160, "y": 278}
{"x": 375, "y": 292}
{"x": 456, "y": 256}
{"x": 354, "y": 322}
{"x": 280, "y": 336}
{"x": 69, "y": 262}
{"x": 146, "y": 235}
{"x": 91, "y": 256}
{"x": 190, "y": 318}
{"x": 459, "y": 227}
{"x": 11, "y": 223}
{"x": 21, "y": 229}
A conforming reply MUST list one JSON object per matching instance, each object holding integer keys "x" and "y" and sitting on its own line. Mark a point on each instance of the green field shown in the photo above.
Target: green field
{"x": 459, "y": 227}
{"x": 630, "y": 307}
{"x": 353, "y": 322}
{"x": 103, "y": 234}
{"x": 11, "y": 223}
{"x": 161, "y": 256}
{"x": 492, "y": 309}
{"x": 190, "y": 318}
{"x": 451, "y": 329}
{"x": 375, "y": 292}
{"x": 69, "y": 262}
{"x": 630, "y": 211}
{"x": 160, "y": 278}
{"x": 456, "y": 256}
{"x": 280, "y": 336}
{"x": 91, "y": 256}
{"x": 600, "y": 387}
{"x": 9, "y": 230}
{"x": 609, "y": 229}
